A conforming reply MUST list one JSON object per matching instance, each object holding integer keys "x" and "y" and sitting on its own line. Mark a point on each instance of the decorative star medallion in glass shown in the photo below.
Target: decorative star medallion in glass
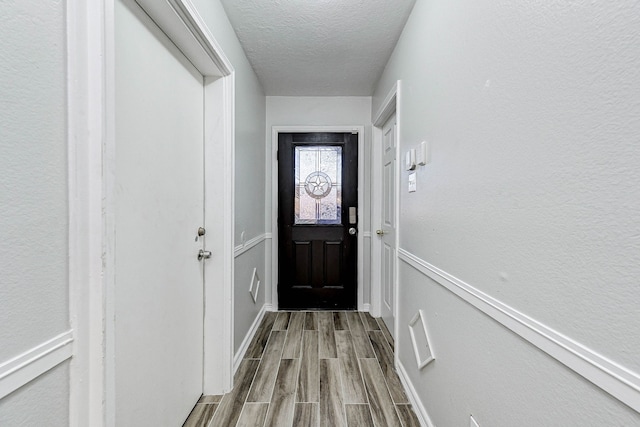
{"x": 318, "y": 185}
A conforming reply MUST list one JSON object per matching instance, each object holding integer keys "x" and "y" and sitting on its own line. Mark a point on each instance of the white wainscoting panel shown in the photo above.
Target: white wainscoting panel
{"x": 27, "y": 366}
{"x": 617, "y": 380}
{"x": 420, "y": 340}
{"x": 254, "y": 286}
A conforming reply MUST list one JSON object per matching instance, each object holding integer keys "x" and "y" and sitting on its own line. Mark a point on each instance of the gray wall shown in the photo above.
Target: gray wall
{"x": 34, "y": 304}
{"x": 531, "y": 196}
{"x": 325, "y": 111}
{"x": 249, "y": 165}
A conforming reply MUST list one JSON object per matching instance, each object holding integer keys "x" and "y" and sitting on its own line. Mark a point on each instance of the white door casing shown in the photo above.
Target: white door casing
{"x": 387, "y": 231}
{"x": 385, "y": 208}
{"x": 159, "y": 205}
{"x": 93, "y": 200}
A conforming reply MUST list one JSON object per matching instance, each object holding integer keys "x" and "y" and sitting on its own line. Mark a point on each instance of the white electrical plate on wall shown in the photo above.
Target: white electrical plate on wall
{"x": 420, "y": 340}
{"x": 423, "y": 153}
{"x": 412, "y": 182}
{"x": 410, "y": 160}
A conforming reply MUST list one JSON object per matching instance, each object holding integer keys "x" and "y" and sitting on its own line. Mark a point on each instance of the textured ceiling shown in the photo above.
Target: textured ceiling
{"x": 318, "y": 47}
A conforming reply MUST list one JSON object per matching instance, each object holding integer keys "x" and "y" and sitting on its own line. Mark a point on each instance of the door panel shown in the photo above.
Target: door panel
{"x": 159, "y": 206}
{"x": 388, "y": 226}
{"x": 318, "y": 182}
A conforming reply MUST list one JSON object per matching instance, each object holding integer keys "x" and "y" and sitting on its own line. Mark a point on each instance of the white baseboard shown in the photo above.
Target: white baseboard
{"x": 412, "y": 394}
{"x": 27, "y": 366}
{"x": 247, "y": 339}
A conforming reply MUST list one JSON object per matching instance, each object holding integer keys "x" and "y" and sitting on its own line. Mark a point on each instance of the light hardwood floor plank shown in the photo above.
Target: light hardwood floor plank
{"x": 231, "y": 404}
{"x": 253, "y": 414}
{"x": 311, "y": 321}
{"x": 352, "y": 385}
{"x": 326, "y": 339}
{"x": 306, "y": 415}
{"x": 370, "y": 324}
{"x": 210, "y": 398}
{"x": 282, "y": 321}
{"x": 262, "y": 336}
{"x": 309, "y": 379}
{"x": 385, "y": 331}
{"x": 407, "y": 416}
{"x": 360, "y": 338}
{"x": 281, "y": 408}
{"x": 385, "y": 358}
{"x": 331, "y": 400}
{"x": 340, "y": 321}
{"x": 265, "y": 378}
{"x": 201, "y": 415}
{"x": 293, "y": 343}
{"x": 382, "y": 407}
{"x": 358, "y": 416}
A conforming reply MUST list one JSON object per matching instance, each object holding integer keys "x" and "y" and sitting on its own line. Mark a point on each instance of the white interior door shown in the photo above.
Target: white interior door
{"x": 158, "y": 299}
{"x": 387, "y": 231}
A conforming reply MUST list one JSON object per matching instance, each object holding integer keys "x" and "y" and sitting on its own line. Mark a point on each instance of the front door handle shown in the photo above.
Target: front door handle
{"x": 352, "y": 231}
{"x": 202, "y": 254}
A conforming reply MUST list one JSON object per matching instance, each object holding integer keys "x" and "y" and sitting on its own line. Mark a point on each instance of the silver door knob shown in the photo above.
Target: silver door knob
{"x": 380, "y": 232}
{"x": 352, "y": 231}
{"x": 202, "y": 254}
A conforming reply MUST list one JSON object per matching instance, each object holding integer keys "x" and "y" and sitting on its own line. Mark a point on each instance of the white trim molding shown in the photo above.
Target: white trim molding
{"x": 412, "y": 394}
{"x": 247, "y": 339}
{"x": 250, "y": 244}
{"x": 254, "y": 286}
{"x": 615, "y": 379}
{"x": 27, "y": 366}
{"x": 420, "y": 339}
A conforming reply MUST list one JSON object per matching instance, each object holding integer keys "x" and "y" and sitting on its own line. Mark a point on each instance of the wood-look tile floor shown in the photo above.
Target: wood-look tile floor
{"x": 316, "y": 368}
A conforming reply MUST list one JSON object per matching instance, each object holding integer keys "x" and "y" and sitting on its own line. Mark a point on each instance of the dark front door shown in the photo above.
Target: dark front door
{"x": 317, "y": 208}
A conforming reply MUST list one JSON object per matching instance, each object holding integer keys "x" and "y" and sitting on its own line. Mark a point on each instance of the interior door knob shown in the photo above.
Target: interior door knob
{"x": 202, "y": 254}
{"x": 380, "y": 232}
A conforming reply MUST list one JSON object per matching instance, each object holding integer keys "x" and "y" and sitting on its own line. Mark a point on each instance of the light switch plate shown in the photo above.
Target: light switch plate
{"x": 410, "y": 161}
{"x": 412, "y": 182}
{"x": 423, "y": 153}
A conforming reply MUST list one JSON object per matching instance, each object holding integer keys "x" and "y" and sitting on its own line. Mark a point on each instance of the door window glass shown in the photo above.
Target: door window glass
{"x": 318, "y": 185}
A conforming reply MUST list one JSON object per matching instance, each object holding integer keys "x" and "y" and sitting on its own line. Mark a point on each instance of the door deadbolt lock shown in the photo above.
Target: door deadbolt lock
{"x": 201, "y": 232}
{"x": 202, "y": 254}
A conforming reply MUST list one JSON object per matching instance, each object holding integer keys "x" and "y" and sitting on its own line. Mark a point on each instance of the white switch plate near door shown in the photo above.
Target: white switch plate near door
{"x": 412, "y": 182}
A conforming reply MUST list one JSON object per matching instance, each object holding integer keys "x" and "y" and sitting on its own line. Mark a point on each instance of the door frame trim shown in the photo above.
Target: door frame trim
{"x": 275, "y": 130}
{"x": 390, "y": 106}
{"x": 91, "y": 169}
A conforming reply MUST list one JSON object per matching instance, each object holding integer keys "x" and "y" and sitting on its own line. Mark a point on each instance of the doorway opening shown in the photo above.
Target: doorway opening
{"x": 317, "y": 259}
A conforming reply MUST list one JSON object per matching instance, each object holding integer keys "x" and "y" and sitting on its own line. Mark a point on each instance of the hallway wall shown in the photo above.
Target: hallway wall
{"x": 34, "y": 243}
{"x": 524, "y": 225}
{"x": 322, "y": 111}
{"x": 249, "y": 169}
